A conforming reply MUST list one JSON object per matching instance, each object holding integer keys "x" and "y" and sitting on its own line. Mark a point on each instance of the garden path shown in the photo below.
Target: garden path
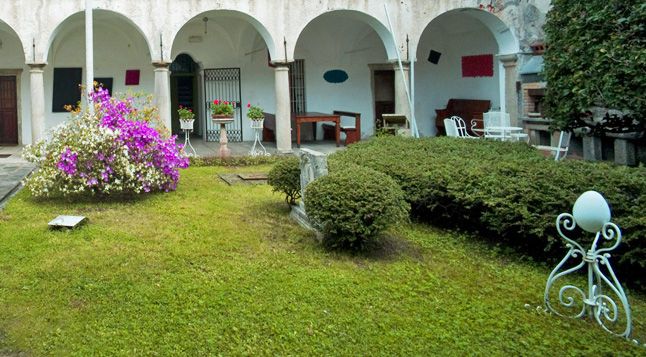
{"x": 12, "y": 170}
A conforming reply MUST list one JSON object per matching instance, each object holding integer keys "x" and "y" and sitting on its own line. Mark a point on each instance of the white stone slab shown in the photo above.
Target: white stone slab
{"x": 66, "y": 221}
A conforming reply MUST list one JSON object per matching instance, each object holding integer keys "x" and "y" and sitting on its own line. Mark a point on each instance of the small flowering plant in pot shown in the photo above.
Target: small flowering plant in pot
{"x": 255, "y": 112}
{"x": 221, "y": 109}
{"x": 186, "y": 117}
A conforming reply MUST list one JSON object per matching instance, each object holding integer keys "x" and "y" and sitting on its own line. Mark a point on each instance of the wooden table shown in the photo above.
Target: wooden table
{"x": 315, "y": 117}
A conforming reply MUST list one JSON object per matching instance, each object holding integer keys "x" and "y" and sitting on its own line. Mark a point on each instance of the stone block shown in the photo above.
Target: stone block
{"x": 592, "y": 148}
{"x": 625, "y": 152}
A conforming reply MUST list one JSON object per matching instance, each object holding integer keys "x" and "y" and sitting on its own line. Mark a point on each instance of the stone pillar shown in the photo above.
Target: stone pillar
{"x": 37, "y": 92}
{"x": 401, "y": 97}
{"x": 592, "y": 148}
{"x": 283, "y": 110}
{"x": 162, "y": 93}
{"x": 510, "y": 94}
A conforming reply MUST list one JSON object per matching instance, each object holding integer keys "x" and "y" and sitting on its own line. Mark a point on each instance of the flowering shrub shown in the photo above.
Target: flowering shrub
{"x": 185, "y": 113}
{"x": 254, "y": 112}
{"x": 112, "y": 151}
{"x": 220, "y": 107}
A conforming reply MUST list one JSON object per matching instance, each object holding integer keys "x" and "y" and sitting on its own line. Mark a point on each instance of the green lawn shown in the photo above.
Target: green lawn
{"x": 212, "y": 268}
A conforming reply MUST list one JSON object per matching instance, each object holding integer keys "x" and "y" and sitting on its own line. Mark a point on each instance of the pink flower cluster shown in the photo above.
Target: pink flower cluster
{"x": 146, "y": 150}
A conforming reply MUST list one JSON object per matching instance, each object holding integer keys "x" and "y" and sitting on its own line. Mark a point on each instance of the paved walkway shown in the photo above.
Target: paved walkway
{"x": 12, "y": 170}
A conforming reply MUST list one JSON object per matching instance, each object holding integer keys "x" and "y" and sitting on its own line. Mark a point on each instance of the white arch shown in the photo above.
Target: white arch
{"x": 61, "y": 26}
{"x": 5, "y": 27}
{"x": 381, "y": 30}
{"x": 262, "y": 30}
{"x": 502, "y": 33}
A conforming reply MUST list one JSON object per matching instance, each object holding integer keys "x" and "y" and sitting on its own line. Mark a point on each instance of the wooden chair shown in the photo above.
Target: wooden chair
{"x": 561, "y": 150}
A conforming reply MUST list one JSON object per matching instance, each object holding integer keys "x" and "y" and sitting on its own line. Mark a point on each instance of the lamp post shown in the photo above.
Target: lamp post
{"x": 592, "y": 214}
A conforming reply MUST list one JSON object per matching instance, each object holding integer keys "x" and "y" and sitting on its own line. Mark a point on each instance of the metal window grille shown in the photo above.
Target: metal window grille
{"x": 223, "y": 84}
{"x": 297, "y": 86}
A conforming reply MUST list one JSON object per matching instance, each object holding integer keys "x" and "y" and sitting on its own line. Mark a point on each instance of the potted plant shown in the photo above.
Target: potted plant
{"x": 186, "y": 118}
{"x": 256, "y": 115}
{"x": 221, "y": 109}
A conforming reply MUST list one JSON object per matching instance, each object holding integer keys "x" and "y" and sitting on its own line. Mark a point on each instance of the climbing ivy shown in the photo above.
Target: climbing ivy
{"x": 596, "y": 56}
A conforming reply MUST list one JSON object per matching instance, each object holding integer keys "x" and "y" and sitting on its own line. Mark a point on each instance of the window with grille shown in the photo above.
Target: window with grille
{"x": 297, "y": 86}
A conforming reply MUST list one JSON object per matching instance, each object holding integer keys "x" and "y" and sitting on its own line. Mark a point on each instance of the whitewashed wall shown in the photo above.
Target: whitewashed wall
{"x": 144, "y": 23}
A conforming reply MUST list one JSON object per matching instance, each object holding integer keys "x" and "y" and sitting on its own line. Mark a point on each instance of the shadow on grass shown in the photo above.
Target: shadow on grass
{"x": 85, "y": 199}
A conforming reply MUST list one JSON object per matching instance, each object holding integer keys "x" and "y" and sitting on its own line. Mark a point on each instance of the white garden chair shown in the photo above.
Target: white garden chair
{"x": 461, "y": 127}
{"x": 451, "y": 128}
{"x": 491, "y": 120}
{"x": 561, "y": 150}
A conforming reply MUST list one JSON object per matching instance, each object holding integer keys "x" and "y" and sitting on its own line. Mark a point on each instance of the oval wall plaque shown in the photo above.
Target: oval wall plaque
{"x": 335, "y": 76}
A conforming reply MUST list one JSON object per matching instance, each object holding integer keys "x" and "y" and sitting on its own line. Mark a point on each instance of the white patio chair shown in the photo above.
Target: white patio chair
{"x": 461, "y": 127}
{"x": 561, "y": 150}
{"x": 493, "y": 119}
{"x": 451, "y": 128}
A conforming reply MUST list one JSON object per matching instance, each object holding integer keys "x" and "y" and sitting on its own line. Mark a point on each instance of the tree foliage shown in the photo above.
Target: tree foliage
{"x": 596, "y": 55}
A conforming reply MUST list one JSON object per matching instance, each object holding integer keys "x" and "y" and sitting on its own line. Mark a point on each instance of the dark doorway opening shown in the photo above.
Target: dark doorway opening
{"x": 384, "y": 91}
{"x": 183, "y": 90}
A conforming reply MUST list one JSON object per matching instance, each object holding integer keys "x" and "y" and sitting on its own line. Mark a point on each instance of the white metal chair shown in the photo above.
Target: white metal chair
{"x": 451, "y": 128}
{"x": 493, "y": 119}
{"x": 461, "y": 127}
{"x": 561, "y": 150}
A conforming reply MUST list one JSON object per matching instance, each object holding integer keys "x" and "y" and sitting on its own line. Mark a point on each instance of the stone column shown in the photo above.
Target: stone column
{"x": 511, "y": 96}
{"x": 162, "y": 93}
{"x": 283, "y": 110}
{"x": 37, "y": 92}
{"x": 401, "y": 98}
{"x": 592, "y": 150}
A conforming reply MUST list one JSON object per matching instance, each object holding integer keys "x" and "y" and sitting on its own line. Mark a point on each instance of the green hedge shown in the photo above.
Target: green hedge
{"x": 508, "y": 192}
{"x": 285, "y": 177}
{"x": 595, "y": 57}
{"x": 352, "y": 207}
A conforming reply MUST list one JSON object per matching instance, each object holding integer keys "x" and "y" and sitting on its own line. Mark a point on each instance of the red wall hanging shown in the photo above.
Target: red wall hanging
{"x": 477, "y": 66}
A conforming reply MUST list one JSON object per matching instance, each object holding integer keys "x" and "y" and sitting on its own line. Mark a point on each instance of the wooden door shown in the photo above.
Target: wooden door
{"x": 8, "y": 111}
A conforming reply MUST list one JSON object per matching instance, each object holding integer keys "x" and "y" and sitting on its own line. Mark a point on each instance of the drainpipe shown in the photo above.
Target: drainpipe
{"x": 89, "y": 54}
{"x": 413, "y": 122}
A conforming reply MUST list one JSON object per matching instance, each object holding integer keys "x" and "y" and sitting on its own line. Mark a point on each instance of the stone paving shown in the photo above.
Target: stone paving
{"x": 12, "y": 170}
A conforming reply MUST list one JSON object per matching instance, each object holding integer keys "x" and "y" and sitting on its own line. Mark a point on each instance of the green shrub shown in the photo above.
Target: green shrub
{"x": 232, "y": 161}
{"x": 595, "y": 56}
{"x": 507, "y": 192}
{"x": 285, "y": 177}
{"x": 351, "y": 207}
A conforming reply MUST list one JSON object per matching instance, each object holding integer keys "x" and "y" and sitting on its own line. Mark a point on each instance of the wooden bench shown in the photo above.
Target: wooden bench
{"x": 269, "y": 129}
{"x": 467, "y": 109}
{"x": 352, "y": 134}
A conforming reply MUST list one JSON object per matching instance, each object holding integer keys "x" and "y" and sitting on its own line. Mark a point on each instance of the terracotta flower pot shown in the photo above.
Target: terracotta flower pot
{"x": 222, "y": 116}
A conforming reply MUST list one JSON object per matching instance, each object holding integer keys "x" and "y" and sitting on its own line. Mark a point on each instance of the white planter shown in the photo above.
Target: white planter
{"x": 257, "y": 123}
{"x": 187, "y": 124}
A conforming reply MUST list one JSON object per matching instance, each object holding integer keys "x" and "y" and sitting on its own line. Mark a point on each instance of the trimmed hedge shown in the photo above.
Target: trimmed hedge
{"x": 352, "y": 207}
{"x": 507, "y": 192}
{"x": 285, "y": 177}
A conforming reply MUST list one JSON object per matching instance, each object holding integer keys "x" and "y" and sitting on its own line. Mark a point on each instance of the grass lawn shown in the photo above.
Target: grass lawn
{"x": 212, "y": 268}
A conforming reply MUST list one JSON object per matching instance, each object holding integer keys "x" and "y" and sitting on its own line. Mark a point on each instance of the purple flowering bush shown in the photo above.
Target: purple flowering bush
{"x": 113, "y": 151}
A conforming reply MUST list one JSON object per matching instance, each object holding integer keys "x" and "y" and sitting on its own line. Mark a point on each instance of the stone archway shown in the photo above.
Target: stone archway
{"x": 119, "y": 47}
{"x": 221, "y": 40}
{"x": 342, "y": 41}
{"x": 461, "y": 54}
{"x": 12, "y": 62}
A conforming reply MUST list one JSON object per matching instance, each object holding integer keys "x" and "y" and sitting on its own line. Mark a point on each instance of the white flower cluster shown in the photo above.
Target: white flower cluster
{"x": 85, "y": 157}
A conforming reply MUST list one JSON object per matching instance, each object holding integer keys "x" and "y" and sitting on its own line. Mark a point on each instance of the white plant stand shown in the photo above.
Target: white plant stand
{"x": 187, "y": 128}
{"x": 258, "y": 149}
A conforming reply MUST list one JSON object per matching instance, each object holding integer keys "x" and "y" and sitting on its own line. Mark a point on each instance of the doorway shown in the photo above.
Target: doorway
{"x": 183, "y": 90}
{"x": 8, "y": 111}
{"x": 383, "y": 82}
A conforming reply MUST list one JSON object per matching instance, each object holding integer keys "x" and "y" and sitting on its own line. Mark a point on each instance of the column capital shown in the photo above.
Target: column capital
{"x": 161, "y": 65}
{"x": 508, "y": 60}
{"x": 281, "y": 64}
{"x": 36, "y": 66}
